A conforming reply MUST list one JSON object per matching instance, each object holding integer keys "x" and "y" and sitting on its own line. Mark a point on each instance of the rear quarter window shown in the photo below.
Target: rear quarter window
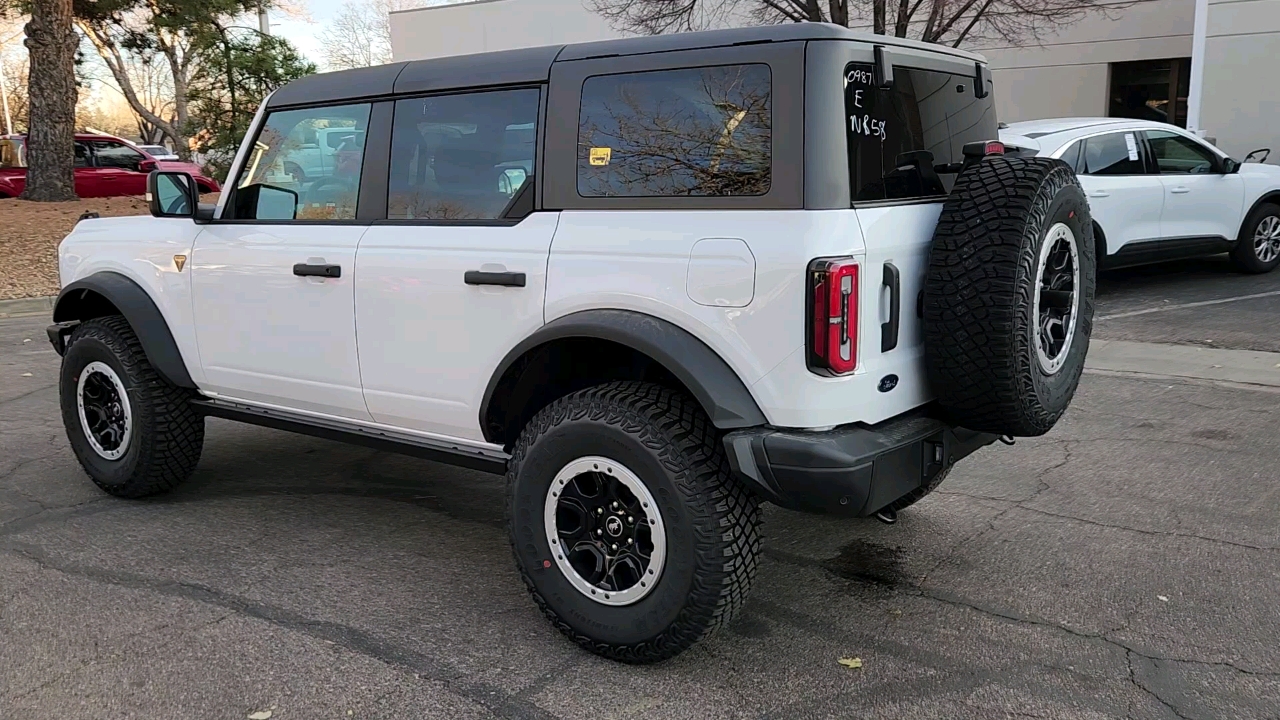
{"x": 688, "y": 132}
{"x": 905, "y": 143}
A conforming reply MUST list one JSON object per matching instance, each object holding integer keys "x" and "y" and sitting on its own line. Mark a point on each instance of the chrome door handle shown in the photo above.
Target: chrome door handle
{"x": 1099, "y": 193}
{"x": 1180, "y": 190}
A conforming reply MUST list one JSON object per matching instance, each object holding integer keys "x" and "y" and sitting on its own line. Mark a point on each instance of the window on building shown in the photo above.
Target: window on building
{"x": 116, "y": 155}
{"x": 693, "y": 132}
{"x": 906, "y": 142}
{"x": 290, "y": 176}
{"x": 461, "y": 157}
{"x": 1151, "y": 90}
{"x": 1114, "y": 154}
{"x": 1177, "y": 155}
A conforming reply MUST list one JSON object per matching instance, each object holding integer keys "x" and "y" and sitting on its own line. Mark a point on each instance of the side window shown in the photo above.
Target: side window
{"x": 116, "y": 155}
{"x": 461, "y": 157}
{"x": 906, "y": 142}
{"x": 1114, "y": 154}
{"x": 1177, "y": 155}
{"x": 691, "y": 132}
{"x": 1072, "y": 155}
{"x": 82, "y": 155}
{"x": 290, "y": 176}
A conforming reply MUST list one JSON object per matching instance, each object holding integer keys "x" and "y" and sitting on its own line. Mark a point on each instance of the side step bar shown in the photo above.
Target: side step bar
{"x": 462, "y": 456}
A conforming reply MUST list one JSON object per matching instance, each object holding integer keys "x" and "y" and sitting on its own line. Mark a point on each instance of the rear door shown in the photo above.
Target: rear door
{"x": 1126, "y": 201}
{"x": 455, "y": 276}
{"x": 904, "y": 149}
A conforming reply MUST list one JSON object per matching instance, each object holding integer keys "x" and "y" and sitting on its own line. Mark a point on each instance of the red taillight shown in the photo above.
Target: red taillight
{"x": 833, "y": 315}
{"x": 995, "y": 147}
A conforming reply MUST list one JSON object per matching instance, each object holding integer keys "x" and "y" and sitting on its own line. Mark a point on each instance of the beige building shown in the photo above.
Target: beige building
{"x": 1136, "y": 63}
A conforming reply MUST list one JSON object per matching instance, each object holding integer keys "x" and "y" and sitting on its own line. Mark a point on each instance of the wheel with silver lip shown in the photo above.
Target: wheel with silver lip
{"x": 133, "y": 433}
{"x": 626, "y": 525}
{"x": 605, "y": 530}
{"x": 1258, "y": 249}
{"x": 1008, "y": 303}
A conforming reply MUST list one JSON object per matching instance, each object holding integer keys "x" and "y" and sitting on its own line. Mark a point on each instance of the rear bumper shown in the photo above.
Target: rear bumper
{"x": 853, "y": 470}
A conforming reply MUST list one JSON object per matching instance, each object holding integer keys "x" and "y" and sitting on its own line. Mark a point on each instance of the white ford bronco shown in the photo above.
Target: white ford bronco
{"x": 653, "y": 281}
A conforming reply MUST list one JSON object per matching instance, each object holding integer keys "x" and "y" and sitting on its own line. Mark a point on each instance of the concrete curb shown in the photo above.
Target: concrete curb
{"x": 1186, "y": 361}
{"x": 23, "y": 307}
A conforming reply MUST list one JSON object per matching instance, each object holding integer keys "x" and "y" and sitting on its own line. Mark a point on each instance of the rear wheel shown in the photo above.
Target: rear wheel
{"x": 626, "y": 525}
{"x": 133, "y": 433}
{"x": 1258, "y": 250}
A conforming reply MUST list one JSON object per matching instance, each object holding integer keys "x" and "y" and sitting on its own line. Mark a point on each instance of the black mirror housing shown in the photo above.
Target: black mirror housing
{"x": 172, "y": 194}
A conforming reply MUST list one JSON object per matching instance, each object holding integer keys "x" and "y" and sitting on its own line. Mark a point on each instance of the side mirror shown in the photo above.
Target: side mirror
{"x": 171, "y": 194}
{"x": 147, "y": 165}
{"x": 1230, "y": 167}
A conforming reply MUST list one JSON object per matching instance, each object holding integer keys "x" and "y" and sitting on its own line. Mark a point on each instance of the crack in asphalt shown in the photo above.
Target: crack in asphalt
{"x": 28, "y": 394}
{"x": 991, "y": 523}
{"x": 492, "y": 698}
{"x": 1160, "y": 533}
{"x": 1113, "y": 526}
{"x": 1133, "y": 678}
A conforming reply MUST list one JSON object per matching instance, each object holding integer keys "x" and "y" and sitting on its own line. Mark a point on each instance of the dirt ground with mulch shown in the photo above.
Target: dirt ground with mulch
{"x": 30, "y": 233}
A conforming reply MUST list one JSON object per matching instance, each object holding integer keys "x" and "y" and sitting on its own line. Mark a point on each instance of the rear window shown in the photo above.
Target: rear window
{"x": 689, "y": 132}
{"x": 905, "y": 143}
{"x": 1114, "y": 154}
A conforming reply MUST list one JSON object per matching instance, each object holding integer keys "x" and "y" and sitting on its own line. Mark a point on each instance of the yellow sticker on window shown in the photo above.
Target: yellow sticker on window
{"x": 600, "y": 156}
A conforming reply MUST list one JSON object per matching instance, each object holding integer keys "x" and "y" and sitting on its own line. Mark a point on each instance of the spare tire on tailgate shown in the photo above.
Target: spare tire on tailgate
{"x": 1008, "y": 298}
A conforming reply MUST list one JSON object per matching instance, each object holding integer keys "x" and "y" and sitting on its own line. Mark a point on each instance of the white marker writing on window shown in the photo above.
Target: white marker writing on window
{"x": 868, "y": 126}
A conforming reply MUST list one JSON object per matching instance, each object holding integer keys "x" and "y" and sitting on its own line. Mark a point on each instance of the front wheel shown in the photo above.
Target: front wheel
{"x": 626, "y": 524}
{"x": 133, "y": 433}
{"x": 1258, "y": 250}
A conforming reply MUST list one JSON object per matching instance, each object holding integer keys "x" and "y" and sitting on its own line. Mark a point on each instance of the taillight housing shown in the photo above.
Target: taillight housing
{"x": 832, "y": 316}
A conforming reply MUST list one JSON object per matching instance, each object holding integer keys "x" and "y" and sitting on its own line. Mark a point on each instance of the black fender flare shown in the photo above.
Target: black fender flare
{"x": 137, "y": 307}
{"x": 714, "y": 384}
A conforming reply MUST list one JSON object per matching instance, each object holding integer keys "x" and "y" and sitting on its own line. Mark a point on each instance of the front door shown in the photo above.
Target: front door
{"x": 120, "y": 167}
{"x": 273, "y": 280}
{"x": 1201, "y": 202}
{"x": 452, "y": 280}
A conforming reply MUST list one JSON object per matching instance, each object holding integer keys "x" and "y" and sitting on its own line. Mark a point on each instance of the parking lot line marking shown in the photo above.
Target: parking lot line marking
{"x": 1180, "y": 306}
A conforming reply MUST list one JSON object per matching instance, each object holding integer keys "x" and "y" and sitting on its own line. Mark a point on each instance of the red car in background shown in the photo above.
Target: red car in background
{"x": 105, "y": 166}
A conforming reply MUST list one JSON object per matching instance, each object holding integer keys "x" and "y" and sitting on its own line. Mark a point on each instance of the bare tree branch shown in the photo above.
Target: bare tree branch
{"x": 951, "y": 22}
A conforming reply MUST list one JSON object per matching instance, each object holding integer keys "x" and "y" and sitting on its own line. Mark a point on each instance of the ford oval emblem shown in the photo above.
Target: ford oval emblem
{"x": 888, "y": 382}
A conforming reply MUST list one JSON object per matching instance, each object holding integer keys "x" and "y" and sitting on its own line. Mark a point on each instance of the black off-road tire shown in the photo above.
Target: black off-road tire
{"x": 711, "y": 520}
{"x": 167, "y": 432}
{"x": 980, "y": 323}
{"x": 1245, "y": 254}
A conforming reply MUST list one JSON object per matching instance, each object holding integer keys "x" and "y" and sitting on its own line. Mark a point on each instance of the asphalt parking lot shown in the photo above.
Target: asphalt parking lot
{"x": 1125, "y": 565}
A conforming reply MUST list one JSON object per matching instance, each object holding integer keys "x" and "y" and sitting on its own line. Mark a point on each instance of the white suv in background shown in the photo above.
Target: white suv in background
{"x": 1160, "y": 193}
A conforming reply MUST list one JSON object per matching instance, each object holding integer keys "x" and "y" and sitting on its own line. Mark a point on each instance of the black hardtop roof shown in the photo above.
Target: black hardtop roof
{"x": 533, "y": 65}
